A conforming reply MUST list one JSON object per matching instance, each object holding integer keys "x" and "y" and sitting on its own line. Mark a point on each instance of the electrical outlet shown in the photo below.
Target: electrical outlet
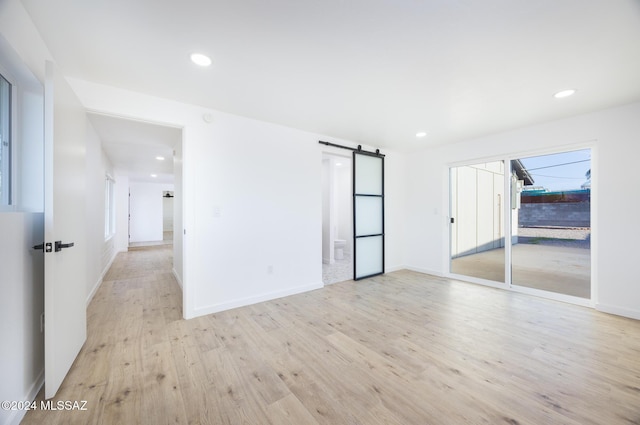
{"x": 270, "y": 269}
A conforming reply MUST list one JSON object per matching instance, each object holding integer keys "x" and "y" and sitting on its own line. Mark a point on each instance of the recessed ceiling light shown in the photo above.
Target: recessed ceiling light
{"x": 421, "y": 134}
{"x": 564, "y": 93}
{"x": 200, "y": 59}
{"x": 160, "y": 158}
{"x": 338, "y": 164}
{"x": 154, "y": 175}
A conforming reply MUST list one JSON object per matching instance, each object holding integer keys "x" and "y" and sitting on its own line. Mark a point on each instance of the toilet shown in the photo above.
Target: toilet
{"x": 339, "y": 245}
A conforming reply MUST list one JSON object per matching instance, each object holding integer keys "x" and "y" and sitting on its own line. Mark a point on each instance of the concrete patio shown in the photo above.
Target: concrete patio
{"x": 560, "y": 269}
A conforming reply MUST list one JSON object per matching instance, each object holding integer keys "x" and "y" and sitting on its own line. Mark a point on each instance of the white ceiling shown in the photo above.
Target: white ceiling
{"x": 372, "y": 71}
{"x": 132, "y": 147}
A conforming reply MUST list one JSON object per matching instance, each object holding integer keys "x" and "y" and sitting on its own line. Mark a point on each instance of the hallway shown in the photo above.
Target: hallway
{"x": 127, "y": 347}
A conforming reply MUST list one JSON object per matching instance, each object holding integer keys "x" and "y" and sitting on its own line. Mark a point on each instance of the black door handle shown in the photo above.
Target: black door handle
{"x": 44, "y": 247}
{"x": 60, "y": 245}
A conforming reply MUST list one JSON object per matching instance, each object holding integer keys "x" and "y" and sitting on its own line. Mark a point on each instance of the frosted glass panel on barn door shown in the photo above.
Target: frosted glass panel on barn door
{"x": 368, "y": 213}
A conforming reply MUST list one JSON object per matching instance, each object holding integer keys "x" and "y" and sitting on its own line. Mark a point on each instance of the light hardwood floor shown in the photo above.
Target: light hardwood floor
{"x": 403, "y": 348}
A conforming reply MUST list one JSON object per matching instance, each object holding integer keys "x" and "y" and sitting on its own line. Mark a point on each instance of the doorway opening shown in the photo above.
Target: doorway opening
{"x": 150, "y": 214}
{"x": 147, "y": 164}
{"x": 337, "y": 219}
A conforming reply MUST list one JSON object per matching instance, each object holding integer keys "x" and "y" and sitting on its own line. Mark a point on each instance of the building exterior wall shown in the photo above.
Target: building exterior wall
{"x": 561, "y": 214}
{"x": 477, "y": 208}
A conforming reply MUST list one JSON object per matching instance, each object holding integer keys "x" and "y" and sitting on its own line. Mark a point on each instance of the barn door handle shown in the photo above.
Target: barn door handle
{"x": 60, "y": 245}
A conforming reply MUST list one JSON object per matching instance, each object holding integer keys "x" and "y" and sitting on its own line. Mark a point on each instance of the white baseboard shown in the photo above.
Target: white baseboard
{"x": 216, "y": 308}
{"x": 16, "y": 416}
{"x": 394, "y": 269}
{"x": 175, "y": 274}
{"x": 102, "y": 275}
{"x": 425, "y": 271}
{"x": 619, "y": 311}
{"x": 94, "y": 290}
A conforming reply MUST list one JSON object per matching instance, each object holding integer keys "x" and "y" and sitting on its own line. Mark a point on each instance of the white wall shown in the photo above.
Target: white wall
{"x": 22, "y": 227}
{"x": 145, "y": 209}
{"x": 100, "y": 252}
{"x": 21, "y": 303}
{"x": 395, "y": 209}
{"x": 613, "y": 134}
{"x": 253, "y": 222}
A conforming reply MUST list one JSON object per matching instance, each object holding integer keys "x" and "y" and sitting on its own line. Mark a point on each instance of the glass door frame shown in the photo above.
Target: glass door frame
{"x": 507, "y": 222}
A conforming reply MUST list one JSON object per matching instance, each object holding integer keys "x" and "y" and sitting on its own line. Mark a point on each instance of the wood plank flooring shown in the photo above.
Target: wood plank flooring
{"x": 403, "y": 348}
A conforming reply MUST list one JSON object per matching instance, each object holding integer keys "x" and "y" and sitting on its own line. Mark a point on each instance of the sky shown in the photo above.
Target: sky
{"x": 563, "y": 171}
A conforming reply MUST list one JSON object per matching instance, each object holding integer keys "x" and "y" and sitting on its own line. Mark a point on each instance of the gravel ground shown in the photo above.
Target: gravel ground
{"x": 579, "y": 237}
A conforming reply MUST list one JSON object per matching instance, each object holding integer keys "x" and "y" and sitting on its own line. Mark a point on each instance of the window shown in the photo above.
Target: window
{"x": 109, "y": 210}
{"x": 5, "y": 142}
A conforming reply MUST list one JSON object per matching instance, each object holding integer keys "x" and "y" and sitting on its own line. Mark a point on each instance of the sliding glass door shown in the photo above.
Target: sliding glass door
{"x": 530, "y": 214}
{"x": 368, "y": 214}
{"x": 551, "y": 243}
{"x": 477, "y": 225}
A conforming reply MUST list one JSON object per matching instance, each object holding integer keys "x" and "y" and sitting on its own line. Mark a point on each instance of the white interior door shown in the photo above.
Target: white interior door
{"x": 65, "y": 221}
